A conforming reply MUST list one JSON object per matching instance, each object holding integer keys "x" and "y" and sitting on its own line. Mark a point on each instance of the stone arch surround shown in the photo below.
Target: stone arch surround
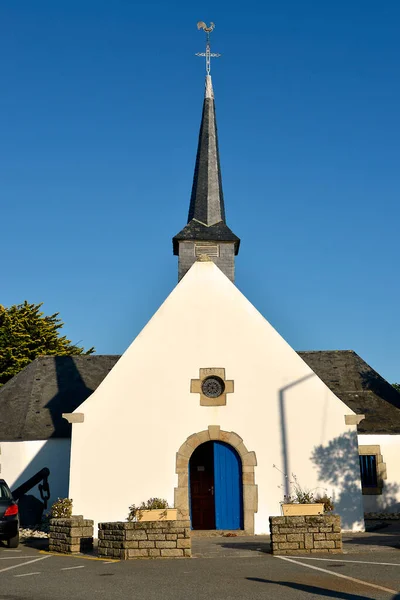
{"x": 249, "y": 461}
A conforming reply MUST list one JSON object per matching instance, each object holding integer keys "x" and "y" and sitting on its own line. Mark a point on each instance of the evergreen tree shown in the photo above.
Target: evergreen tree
{"x": 396, "y": 386}
{"x": 25, "y": 334}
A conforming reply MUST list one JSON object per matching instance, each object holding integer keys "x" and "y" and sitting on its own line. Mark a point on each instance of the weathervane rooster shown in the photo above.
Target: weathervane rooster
{"x": 202, "y": 25}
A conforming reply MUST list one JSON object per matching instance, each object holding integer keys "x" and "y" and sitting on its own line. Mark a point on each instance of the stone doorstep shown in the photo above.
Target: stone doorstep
{"x": 209, "y": 533}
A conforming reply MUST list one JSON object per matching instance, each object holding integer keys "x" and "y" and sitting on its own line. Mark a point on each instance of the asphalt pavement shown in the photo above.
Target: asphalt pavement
{"x": 223, "y": 569}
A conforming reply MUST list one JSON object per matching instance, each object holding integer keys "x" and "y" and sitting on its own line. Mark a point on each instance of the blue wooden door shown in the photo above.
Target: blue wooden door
{"x": 227, "y": 487}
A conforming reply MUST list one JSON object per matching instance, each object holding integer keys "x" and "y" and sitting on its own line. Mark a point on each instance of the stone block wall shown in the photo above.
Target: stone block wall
{"x": 306, "y": 535}
{"x": 150, "y": 539}
{"x": 71, "y": 535}
{"x": 379, "y": 516}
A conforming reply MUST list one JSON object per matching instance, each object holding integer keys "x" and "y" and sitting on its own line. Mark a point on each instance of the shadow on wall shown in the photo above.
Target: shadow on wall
{"x": 55, "y": 453}
{"x": 284, "y": 437}
{"x": 72, "y": 391}
{"x": 338, "y": 464}
{"x": 387, "y": 501}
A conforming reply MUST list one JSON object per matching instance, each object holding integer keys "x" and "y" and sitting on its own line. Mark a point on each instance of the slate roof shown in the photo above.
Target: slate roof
{"x": 360, "y": 387}
{"x": 31, "y": 404}
{"x": 206, "y": 219}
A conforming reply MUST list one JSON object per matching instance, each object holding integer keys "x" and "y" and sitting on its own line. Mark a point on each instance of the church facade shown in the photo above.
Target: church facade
{"x": 209, "y": 407}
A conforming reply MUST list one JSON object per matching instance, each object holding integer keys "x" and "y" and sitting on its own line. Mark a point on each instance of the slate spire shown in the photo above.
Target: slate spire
{"x": 207, "y": 200}
{"x": 206, "y": 224}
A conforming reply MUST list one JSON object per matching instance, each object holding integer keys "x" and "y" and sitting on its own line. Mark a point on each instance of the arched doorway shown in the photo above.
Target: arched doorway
{"x": 216, "y": 490}
{"x": 248, "y": 462}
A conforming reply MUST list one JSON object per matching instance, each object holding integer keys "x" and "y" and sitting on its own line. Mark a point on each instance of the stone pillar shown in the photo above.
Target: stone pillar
{"x": 74, "y": 534}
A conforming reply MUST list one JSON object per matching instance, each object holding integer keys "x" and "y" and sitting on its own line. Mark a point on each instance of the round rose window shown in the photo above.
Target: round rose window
{"x": 212, "y": 387}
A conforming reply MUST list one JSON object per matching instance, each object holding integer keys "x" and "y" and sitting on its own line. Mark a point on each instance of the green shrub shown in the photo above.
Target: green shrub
{"x": 326, "y": 501}
{"x": 61, "y": 509}
{"x": 135, "y": 512}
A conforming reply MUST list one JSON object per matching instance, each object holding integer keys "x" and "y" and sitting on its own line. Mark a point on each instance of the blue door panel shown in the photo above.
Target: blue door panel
{"x": 227, "y": 487}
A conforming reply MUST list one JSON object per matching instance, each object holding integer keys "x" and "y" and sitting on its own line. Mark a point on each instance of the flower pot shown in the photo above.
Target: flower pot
{"x": 158, "y": 514}
{"x": 301, "y": 510}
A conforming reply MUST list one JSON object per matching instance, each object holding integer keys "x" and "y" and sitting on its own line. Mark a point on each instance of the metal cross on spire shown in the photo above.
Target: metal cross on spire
{"x": 208, "y": 54}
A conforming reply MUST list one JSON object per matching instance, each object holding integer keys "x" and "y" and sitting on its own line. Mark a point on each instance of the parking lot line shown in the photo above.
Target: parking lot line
{"x": 17, "y": 557}
{"x": 360, "y": 562}
{"x": 23, "y": 564}
{"x": 27, "y": 574}
{"x": 81, "y": 556}
{"x": 70, "y": 568}
{"x": 373, "y": 585}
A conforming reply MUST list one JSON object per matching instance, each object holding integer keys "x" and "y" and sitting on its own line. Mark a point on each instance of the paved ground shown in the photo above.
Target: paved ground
{"x": 223, "y": 569}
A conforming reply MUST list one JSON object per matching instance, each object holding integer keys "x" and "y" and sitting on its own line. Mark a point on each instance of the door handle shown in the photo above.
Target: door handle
{"x": 211, "y": 490}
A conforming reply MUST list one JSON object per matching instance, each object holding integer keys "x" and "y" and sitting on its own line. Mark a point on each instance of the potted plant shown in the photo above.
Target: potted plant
{"x": 303, "y": 502}
{"x": 154, "y": 509}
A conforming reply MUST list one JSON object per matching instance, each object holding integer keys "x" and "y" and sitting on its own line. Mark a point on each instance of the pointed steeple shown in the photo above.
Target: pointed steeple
{"x": 207, "y": 200}
{"x": 206, "y": 228}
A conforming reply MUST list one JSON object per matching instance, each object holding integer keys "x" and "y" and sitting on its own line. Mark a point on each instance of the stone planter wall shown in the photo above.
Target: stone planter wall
{"x": 306, "y": 535}
{"x": 71, "y": 535}
{"x": 151, "y": 539}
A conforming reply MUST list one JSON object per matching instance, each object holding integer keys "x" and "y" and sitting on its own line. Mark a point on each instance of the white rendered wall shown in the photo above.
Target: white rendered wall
{"x": 21, "y": 460}
{"x": 389, "y": 500}
{"x": 136, "y": 420}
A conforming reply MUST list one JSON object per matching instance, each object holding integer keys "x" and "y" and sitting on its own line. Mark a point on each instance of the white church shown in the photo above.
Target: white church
{"x": 209, "y": 407}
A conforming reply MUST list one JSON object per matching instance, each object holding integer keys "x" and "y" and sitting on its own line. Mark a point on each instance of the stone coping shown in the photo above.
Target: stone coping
{"x": 127, "y": 525}
{"x": 71, "y": 522}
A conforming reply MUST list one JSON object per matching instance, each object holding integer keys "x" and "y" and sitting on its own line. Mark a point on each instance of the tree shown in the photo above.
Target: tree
{"x": 396, "y": 386}
{"x": 25, "y": 334}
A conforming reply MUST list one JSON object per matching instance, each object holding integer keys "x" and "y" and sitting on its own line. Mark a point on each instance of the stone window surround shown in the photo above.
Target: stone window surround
{"x": 196, "y": 386}
{"x": 249, "y": 461}
{"x": 381, "y": 474}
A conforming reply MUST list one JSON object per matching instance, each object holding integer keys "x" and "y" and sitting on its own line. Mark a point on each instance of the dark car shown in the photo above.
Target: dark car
{"x": 9, "y": 518}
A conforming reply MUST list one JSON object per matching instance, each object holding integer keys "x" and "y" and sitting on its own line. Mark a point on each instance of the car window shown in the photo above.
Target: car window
{"x": 5, "y": 493}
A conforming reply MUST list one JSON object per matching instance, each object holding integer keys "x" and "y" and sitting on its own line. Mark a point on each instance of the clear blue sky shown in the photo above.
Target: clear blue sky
{"x": 100, "y": 108}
